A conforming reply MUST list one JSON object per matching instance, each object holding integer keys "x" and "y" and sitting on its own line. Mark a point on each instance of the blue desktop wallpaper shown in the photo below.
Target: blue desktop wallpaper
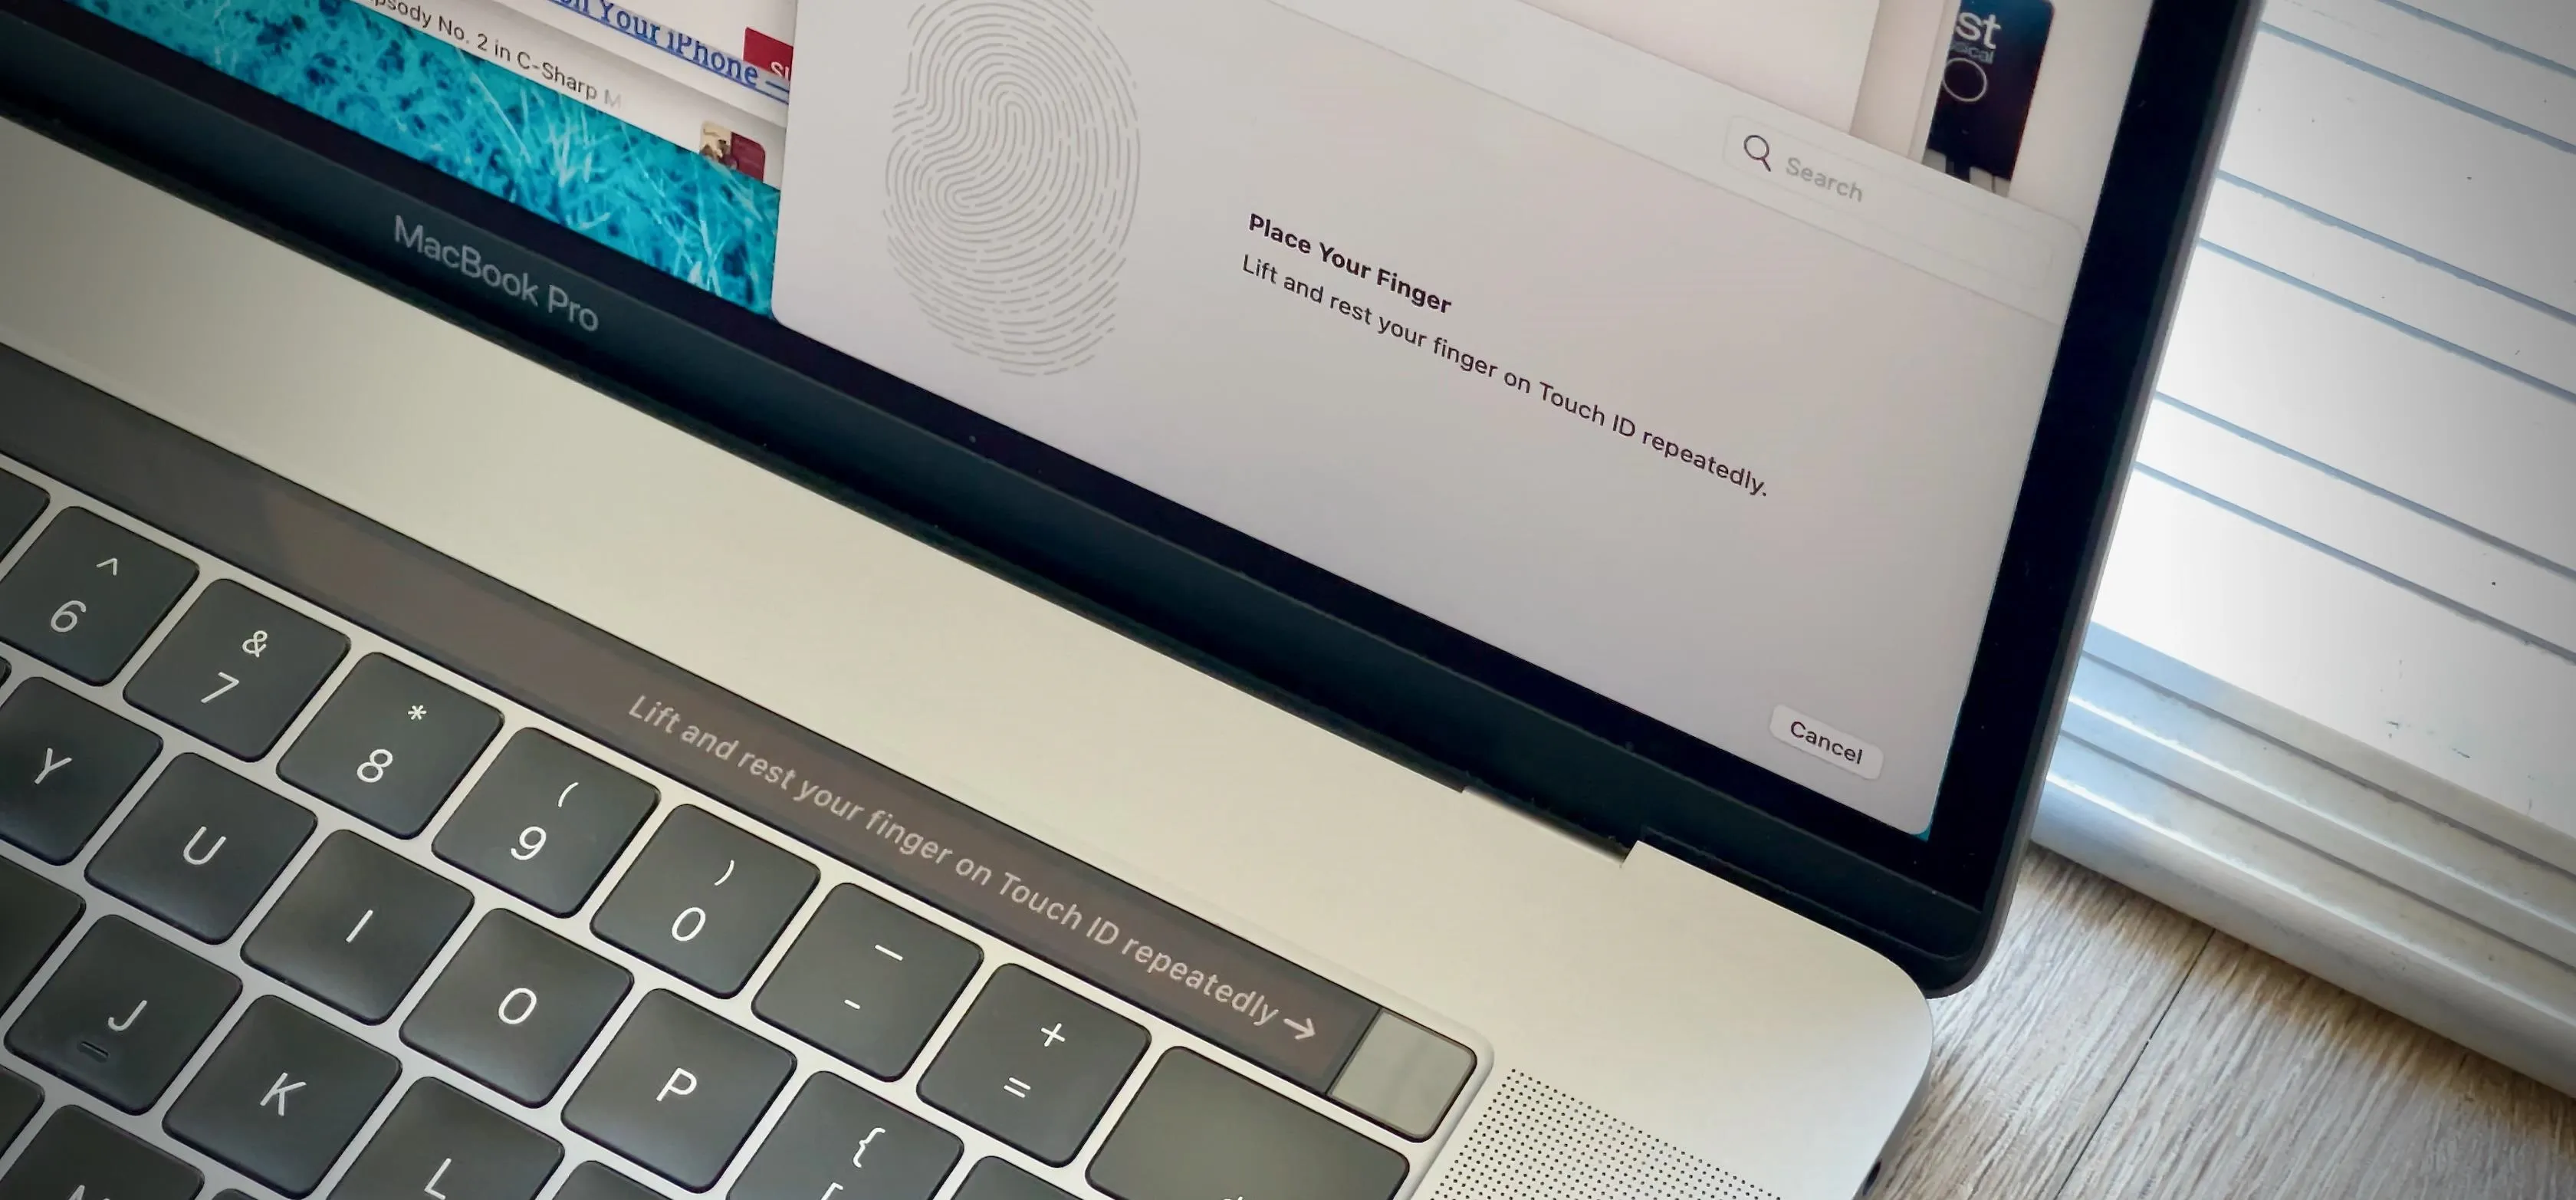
{"x": 517, "y": 139}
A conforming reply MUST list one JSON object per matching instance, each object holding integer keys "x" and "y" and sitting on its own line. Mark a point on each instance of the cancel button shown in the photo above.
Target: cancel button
{"x": 1826, "y": 742}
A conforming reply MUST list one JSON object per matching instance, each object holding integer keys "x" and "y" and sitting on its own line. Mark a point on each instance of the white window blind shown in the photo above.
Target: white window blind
{"x": 2330, "y": 699}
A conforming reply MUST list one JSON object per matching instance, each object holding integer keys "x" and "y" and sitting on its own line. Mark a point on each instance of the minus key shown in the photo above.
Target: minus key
{"x": 868, "y": 982}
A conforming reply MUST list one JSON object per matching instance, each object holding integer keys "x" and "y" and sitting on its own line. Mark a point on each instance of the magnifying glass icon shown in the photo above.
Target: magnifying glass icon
{"x": 1758, "y": 148}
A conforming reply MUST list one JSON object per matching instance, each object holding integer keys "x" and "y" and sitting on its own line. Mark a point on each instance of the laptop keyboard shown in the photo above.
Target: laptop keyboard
{"x": 288, "y": 910}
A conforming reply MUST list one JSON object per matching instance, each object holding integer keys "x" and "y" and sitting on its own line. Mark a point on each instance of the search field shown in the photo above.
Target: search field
{"x": 1691, "y": 123}
{"x": 1887, "y": 200}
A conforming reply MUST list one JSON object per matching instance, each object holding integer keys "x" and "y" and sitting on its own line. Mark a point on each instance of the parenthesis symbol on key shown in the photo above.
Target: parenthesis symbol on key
{"x": 567, "y": 793}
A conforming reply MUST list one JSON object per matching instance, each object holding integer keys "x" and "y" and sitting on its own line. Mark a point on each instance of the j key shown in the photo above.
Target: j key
{"x": 236, "y": 669}
{"x": 440, "y": 1142}
{"x": 1033, "y": 1064}
{"x": 123, "y": 1014}
{"x": 201, "y": 847}
{"x": 837, "y": 1141}
{"x": 34, "y": 916}
{"x": 679, "y": 1090}
{"x": 516, "y": 1007}
{"x": 21, "y": 503}
{"x": 76, "y": 1154}
{"x": 357, "y": 927}
{"x": 87, "y": 593}
{"x": 1197, "y": 1130}
{"x": 19, "y": 1101}
{"x": 867, "y": 981}
{"x": 546, "y": 821}
{"x": 993, "y": 1179}
{"x": 281, "y": 1097}
{"x": 705, "y": 901}
{"x": 389, "y": 745}
{"x": 64, "y": 763}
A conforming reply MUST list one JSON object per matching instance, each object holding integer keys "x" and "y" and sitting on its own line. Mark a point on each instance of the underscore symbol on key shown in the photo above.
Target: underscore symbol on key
{"x": 852, "y": 1005}
{"x": 1018, "y": 1088}
{"x": 889, "y": 954}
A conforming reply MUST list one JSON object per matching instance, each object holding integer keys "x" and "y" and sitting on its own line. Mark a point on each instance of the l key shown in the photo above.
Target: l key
{"x": 282, "y": 1096}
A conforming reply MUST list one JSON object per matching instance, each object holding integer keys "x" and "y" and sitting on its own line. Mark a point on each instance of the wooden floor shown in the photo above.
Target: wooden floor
{"x": 2116, "y": 1049}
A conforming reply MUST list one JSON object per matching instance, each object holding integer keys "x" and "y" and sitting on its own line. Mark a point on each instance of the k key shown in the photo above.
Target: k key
{"x": 282, "y": 1096}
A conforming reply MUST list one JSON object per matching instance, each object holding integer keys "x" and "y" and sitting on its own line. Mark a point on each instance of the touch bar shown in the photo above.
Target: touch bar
{"x": 1178, "y": 966}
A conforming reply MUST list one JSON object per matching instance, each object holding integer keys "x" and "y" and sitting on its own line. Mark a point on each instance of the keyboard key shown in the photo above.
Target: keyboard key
{"x": 123, "y": 1014}
{"x": 21, "y": 503}
{"x": 993, "y": 1179}
{"x": 546, "y": 821}
{"x": 440, "y": 1142}
{"x": 868, "y": 981}
{"x": 87, "y": 593}
{"x": 64, "y": 763}
{"x": 357, "y": 927}
{"x": 201, "y": 847}
{"x": 389, "y": 745}
{"x": 35, "y": 913}
{"x": 1197, "y": 1130}
{"x": 1033, "y": 1065}
{"x": 705, "y": 901}
{"x": 679, "y": 1090}
{"x": 19, "y": 1100}
{"x": 516, "y": 1007}
{"x": 281, "y": 1097}
{"x": 598, "y": 1181}
{"x": 236, "y": 669}
{"x": 77, "y": 1154}
{"x": 836, "y": 1139}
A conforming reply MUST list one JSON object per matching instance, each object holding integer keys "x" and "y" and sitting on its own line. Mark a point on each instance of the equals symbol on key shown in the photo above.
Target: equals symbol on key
{"x": 1017, "y": 1088}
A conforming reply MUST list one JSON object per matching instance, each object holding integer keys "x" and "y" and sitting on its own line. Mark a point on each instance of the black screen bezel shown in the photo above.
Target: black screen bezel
{"x": 1462, "y": 709}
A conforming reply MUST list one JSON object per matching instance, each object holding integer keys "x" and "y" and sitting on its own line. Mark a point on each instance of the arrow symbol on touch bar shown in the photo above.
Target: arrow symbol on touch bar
{"x": 1305, "y": 1029}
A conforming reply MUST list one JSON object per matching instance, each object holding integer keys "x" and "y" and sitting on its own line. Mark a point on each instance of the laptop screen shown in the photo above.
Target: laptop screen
{"x": 1690, "y": 353}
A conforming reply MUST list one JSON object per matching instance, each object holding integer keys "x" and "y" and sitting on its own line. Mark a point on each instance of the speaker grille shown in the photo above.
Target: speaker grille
{"x": 1533, "y": 1140}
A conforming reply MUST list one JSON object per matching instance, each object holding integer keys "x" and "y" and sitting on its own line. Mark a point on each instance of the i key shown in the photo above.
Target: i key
{"x": 123, "y": 1014}
{"x": 281, "y": 1097}
{"x": 705, "y": 901}
{"x": 87, "y": 593}
{"x": 357, "y": 927}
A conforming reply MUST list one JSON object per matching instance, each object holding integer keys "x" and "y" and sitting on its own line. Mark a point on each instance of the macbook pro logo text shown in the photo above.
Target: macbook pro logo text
{"x": 467, "y": 260}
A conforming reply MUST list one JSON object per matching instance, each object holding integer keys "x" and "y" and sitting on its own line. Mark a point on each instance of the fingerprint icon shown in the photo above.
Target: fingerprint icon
{"x": 1012, "y": 181}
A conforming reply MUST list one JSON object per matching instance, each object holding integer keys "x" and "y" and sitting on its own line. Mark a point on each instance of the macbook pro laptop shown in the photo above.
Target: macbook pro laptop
{"x": 1016, "y": 599}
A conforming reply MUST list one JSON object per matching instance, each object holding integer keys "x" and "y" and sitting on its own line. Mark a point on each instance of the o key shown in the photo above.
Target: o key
{"x": 516, "y": 1007}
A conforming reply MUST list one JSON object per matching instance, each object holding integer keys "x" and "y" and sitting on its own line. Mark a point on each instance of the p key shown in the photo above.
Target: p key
{"x": 679, "y": 1090}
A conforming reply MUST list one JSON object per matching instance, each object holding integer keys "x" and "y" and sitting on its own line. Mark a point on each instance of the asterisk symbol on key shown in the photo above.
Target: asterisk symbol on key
{"x": 419, "y": 712}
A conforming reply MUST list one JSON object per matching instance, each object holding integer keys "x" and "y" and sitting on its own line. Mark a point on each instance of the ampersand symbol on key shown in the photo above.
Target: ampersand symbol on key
{"x": 257, "y": 643}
